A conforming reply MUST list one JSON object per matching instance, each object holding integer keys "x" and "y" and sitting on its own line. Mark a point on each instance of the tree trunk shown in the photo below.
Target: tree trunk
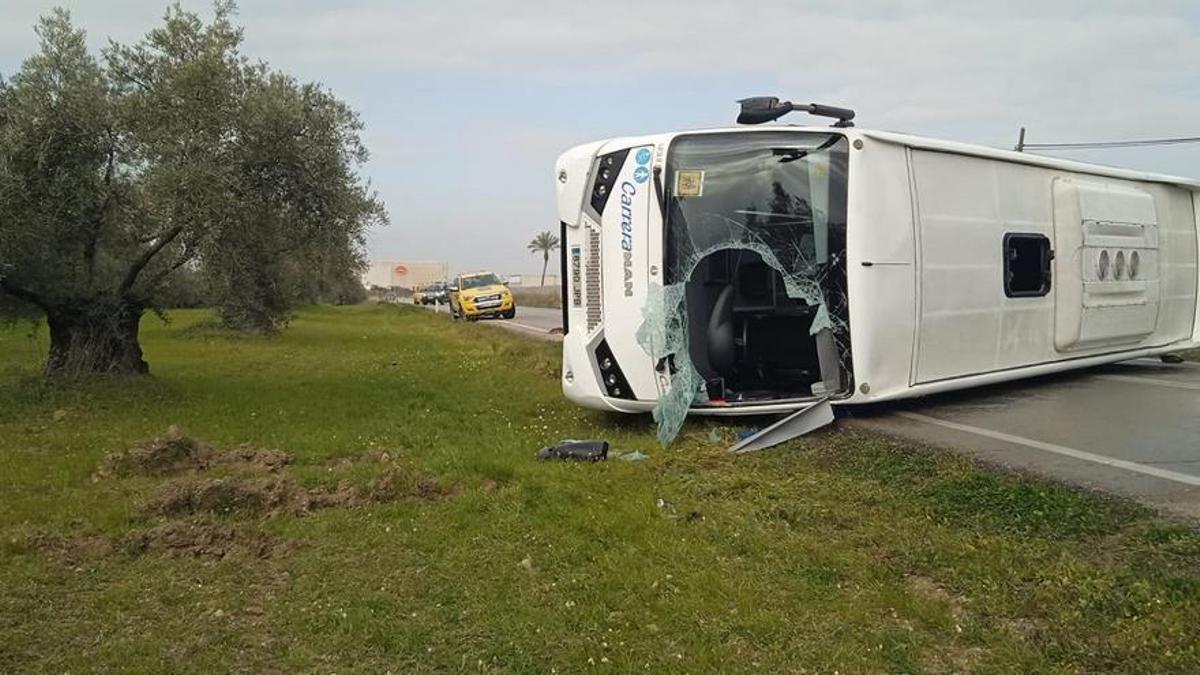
{"x": 545, "y": 263}
{"x": 95, "y": 338}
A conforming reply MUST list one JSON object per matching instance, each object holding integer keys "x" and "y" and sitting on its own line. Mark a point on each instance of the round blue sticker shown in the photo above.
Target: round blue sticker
{"x": 643, "y": 156}
{"x": 641, "y": 174}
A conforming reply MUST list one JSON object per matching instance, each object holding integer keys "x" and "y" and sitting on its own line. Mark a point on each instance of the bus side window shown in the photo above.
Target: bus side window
{"x": 1026, "y": 265}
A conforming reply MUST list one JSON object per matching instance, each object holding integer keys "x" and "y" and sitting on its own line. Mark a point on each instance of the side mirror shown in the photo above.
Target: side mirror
{"x": 759, "y": 109}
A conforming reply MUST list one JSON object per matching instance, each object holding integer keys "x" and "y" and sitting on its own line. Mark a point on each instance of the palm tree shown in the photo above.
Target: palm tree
{"x": 544, "y": 243}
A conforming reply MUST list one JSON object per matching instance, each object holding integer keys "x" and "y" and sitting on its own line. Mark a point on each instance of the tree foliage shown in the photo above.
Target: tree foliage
{"x": 175, "y": 157}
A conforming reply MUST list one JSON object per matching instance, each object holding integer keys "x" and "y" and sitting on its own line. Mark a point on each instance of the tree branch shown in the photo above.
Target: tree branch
{"x": 125, "y": 74}
{"x": 145, "y": 258}
{"x": 89, "y": 251}
{"x": 24, "y": 294}
{"x": 174, "y": 266}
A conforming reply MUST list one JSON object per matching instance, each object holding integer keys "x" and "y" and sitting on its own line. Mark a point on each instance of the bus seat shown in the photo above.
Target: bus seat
{"x": 722, "y": 343}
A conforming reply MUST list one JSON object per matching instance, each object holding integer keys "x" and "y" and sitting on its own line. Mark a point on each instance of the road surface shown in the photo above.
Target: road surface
{"x": 532, "y": 321}
{"x": 1131, "y": 428}
{"x": 537, "y": 321}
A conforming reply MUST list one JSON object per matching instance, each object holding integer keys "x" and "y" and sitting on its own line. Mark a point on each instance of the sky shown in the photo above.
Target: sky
{"x": 467, "y": 104}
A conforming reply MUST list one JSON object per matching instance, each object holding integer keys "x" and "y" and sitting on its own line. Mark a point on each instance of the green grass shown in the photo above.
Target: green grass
{"x": 544, "y": 296}
{"x": 841, "y": 551}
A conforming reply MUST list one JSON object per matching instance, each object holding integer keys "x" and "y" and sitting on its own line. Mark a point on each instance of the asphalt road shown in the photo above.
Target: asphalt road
{"x": 535, "y": 322}
{"x": 1131, "y": 428}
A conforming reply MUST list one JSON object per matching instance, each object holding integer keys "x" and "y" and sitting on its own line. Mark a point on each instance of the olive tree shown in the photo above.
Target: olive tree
{"x": 174, "y": 155}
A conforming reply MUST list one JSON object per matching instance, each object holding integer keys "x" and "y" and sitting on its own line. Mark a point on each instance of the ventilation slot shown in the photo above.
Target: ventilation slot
{"x": 592, "y": 272}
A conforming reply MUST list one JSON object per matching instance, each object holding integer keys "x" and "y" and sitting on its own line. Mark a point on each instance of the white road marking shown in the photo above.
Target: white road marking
{"x": 510, "y": 322}
{"x": 1136, "y": 379}
{"x": 1165, "y": 474}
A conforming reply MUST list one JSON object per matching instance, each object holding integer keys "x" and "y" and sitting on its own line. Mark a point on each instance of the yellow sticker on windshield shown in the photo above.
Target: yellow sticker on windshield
{"x": 689, "y": 183}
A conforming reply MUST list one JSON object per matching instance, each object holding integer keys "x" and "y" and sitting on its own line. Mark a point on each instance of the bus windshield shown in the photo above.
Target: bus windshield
{"x": 782, "y": 190}
{"x": 754, "y": 306}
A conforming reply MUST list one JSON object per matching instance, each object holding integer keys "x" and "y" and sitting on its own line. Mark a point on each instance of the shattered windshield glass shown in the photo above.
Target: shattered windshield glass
{"x": 776, "y": 198}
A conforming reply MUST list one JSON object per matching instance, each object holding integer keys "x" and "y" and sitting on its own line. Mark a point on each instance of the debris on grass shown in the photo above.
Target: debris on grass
{"x": 635, "y": 456}
{"x": 174, "y": 452}
{"x": 591, "y": 451}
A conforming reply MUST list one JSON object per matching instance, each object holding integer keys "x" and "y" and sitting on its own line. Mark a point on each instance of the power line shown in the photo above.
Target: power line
{"x": 1022, "y": 145}
{"x": 1118, "y": 144}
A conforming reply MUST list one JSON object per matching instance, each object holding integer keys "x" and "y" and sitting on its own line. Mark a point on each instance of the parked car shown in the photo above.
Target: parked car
{"x": 480, "y": 294}
{"x": 436, "y": 294}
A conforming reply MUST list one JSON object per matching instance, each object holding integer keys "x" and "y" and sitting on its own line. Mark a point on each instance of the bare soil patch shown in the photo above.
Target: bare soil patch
{"x": 69, "y": 550}
{"x": 174, "y": 453}
{"x": 205, "y": 516}
{"x": 277, "y": 495}
{"x": 202, "y": 539}
{"x": 928, "y": 588}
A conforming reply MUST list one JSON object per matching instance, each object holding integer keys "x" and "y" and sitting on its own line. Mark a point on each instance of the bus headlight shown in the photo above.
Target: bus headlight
{"x": 612, "y": 378}
{"x": 608, "y": 167}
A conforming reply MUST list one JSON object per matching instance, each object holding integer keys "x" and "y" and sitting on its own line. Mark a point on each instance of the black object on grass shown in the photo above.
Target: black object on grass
{"x": 580, "y": 451}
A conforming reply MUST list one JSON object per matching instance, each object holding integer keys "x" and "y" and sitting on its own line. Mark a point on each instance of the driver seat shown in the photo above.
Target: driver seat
{"x": 722, "y": 340}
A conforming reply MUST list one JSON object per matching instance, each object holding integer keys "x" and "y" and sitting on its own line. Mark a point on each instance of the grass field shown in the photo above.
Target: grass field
{"x": 545, "y": 296}
{"x": 413, "y": 531}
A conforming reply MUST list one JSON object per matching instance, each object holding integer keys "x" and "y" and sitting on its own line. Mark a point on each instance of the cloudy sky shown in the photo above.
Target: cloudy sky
{"x": 466, "y": 104}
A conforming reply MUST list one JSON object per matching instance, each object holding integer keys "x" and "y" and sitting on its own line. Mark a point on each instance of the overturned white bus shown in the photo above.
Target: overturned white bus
{"x": 754, "y": 270}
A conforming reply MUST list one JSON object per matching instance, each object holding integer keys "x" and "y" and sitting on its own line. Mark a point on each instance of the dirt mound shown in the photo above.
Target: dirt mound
{"x": 174, "y": 452}
{"x": 69, "y": 550}
{"x": 278, "y": 495}
{"x": 248, "y": 455}
{"x": 223, "y": 496}
{"x": 200, "y": 539}
{"x": 169, "y": 453}
{"x": 394, "y": 485}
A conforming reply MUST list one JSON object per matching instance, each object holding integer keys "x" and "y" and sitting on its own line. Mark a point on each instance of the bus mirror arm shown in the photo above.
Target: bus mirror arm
{"x": 759, "y": 109}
